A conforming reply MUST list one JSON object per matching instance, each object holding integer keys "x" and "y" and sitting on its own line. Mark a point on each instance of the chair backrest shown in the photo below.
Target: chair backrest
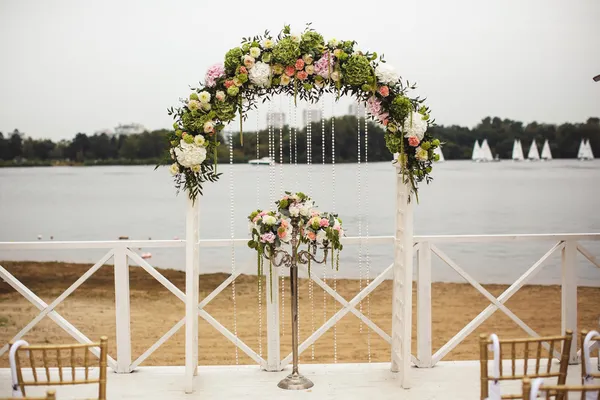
{"x": 50, "y": 395}
{"x": 590, "y": 346}
{"x": 44, "y": 359}
{"x": 535, "y": 352}
{"x": 536, "y": 389}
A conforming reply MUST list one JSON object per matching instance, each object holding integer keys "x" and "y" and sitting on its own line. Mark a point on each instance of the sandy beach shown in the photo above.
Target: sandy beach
{"x": 154, "y": 310}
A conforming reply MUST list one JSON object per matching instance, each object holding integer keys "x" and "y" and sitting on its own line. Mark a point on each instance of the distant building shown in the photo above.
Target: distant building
{"x": 315, "y": 115}
{"x": 276, "y": 118}
{"x": 129, "y": 129}
{"x": 361, "y": 109}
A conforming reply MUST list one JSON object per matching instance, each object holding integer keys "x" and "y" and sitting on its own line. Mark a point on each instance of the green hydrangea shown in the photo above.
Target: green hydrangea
{"x": 357, "y": 70}
{"x": 194, "y": 96}
{"x": 224, "y": 110}
{"x": 286, "y": 51}
{"x": 311, "y": 42}
{"x": 400, "y": 108}
{"x": 233, "y": 59}
{"x": 233, "y": 91}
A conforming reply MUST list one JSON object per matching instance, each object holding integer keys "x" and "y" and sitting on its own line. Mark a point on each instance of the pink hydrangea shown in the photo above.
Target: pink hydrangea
{"x": 376, "y": 110}
{"x": 214, "y": 72}
{"x": 323, "y": 66}
{"x": 268, "y": 237}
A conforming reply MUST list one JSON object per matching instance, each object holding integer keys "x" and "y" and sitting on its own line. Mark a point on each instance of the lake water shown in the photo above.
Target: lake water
{"x": 103, "y": 203}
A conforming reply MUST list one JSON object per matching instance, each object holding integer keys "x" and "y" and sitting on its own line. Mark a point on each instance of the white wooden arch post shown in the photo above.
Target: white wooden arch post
{"x": 402, "y": 282}
{"x": 192, "y": 266}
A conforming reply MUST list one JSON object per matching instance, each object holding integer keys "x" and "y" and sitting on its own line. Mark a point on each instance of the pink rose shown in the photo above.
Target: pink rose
{"x": 302, "y": 75}
{"x": 256, "y": 219}
{"x": 289, "y": 71}
{"x": 299, "y": 64}
{"x": 281, "y": 232}
{"x": 268, "y": 237}
{"x": 284, "y": 223}
{"x": 312, "y": 236}
{"x": 384, "y": 91}
{"x": 413, "y": 141}
{"x": 243, "y": 70}
{"x": 229, "y": 83}
{"x": 324, "y": 222}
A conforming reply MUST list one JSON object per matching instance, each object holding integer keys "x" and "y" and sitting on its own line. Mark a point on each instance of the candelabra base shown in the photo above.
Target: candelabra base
{"x": 295, "y": 381}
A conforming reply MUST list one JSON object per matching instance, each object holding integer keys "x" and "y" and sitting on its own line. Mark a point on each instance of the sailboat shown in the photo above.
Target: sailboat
{"x": 585, "y": 150}
{"x": 517, "y": 153}
{"x": 438, "y": 151}
{"x": 533, "y": 154}
{"x": 546, "y": 153}
{"x": 476, "y": 152}
{"x": 486, "y": 152}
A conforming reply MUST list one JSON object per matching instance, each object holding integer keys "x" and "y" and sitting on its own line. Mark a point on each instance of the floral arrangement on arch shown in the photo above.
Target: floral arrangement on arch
{"x": 302, "y": 65}
{"x": 273, "y": 230}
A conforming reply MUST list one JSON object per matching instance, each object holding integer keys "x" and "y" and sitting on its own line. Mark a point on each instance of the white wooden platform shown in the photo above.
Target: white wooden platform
{"x": 447, "y": 380}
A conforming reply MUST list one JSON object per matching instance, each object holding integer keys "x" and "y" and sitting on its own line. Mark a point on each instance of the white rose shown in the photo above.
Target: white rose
{"x": 269, "y": 220}
{"x": 188, "y": 154}
{"x": 294, "y": 210}
{"x": 254, "y": 52}
{"x": 335, "y": 76}
{"x": 220, "y": 95}
{"x": 196, "y": 168}
{"x": 386, "y": 74}
{"x": 333, "y": 42}
{"x": 172, "y": 152}
{"x": 204, "y": 97}
{"x": 306, "y": 209}
{"x": 174, "y": 169}
{"x": 267, "y": 43}
{"x": 260, "y": 75}
{"x": 209, "y": 127}
{"x": 415, "y": 126}
{"x": 199, "y": 140}
{"x": 321, "y": 236}
{"x": 296, "y": 37}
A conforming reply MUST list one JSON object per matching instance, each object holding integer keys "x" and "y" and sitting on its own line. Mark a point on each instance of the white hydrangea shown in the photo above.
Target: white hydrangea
{"x": 306, "y": 209}
{"x": 260, "y": 75}
{"x": 386, "y": 74}
{"x": 188, "y": 154}
{"x": 294, "y": 210}
{"x": 414, "y": 126}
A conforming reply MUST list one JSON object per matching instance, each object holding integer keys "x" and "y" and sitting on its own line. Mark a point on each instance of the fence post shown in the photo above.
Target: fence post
{"x": 192, "y": 266}
{"x": 273, "y": 340}
{"x": 402, "y": 283}
{"x": 569, "y": 294}
{"x": 424, "y": 305}
{"x": 122, "y": 310}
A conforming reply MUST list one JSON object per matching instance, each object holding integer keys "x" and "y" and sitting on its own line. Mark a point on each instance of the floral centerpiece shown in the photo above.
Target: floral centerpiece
{"x": 295, "y": 222}
{"x": 301, "y": 65}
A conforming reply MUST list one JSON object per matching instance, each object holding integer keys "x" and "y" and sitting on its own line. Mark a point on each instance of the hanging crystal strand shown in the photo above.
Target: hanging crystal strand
{"x": 367, "y": 254}
{"x": 333, "y": 208}
{"x": 232, "y": 229}
{"x": 323, "y": 190}
{"x": 360, "y": 210}
{"x": 295, "y": 128}
{"x": 280, "y": 146}
{"x": 310, "y": 281}
{"x": 259, "y": 276}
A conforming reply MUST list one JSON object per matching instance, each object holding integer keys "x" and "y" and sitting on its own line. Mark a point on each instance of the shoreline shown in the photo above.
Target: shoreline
{"x": 154, "y": 310}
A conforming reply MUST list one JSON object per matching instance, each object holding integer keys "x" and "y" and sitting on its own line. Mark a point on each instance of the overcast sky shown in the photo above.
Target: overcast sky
{"x": 81, "y": 66}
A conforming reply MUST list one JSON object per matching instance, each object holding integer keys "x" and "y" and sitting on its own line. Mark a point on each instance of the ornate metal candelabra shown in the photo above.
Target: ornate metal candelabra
{"x": 282, "y": 258}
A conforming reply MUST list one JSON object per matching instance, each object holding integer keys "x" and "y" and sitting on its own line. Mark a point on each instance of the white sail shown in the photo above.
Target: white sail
{"x": 533, "y": 152}
{"x": 486, "y": 152}
{"x": 476, "y": 152}
{"x": 517, "y": 153}
{"x": 438, "y": 151}
{"x": 581, "y": 151}
{"x": 587, "y": 151}
{"x": 546, "y": 153}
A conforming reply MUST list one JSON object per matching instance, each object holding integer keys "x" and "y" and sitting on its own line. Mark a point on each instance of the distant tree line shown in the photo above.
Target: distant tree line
{"x": 152, "y": 148}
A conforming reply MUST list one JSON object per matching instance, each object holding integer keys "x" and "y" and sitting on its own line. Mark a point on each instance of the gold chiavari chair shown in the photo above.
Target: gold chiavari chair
{"x": 536, "y": 389}
{"x": 590, "y": 345}
{"x": 50, "y": 395}
{"x": 531, "y": 351}
{"x": 45, "y": 357}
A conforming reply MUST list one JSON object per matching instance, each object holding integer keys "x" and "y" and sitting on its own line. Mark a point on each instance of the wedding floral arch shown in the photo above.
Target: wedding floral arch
{"x": 301, "y": 65}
